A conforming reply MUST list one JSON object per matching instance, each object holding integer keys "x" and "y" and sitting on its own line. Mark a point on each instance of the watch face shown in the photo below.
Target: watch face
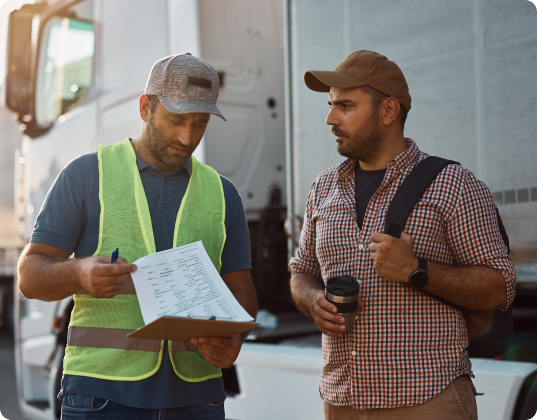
{"x": 419, "y": 279}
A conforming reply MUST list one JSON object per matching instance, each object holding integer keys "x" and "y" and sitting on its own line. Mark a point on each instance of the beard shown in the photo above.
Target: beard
{"x": 365, "y": 143}
{"x": 155, "y": 140}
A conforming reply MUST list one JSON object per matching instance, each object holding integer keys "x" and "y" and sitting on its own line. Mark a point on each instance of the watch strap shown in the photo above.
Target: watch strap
{"x": 422, "y": 264}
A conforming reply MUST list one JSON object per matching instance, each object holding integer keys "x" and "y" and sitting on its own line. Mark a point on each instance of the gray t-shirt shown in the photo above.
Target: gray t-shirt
{"x": 69, "y": 220}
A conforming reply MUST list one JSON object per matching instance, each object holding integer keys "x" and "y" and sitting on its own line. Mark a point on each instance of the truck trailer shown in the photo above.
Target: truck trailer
{"x": 76, "y": 68}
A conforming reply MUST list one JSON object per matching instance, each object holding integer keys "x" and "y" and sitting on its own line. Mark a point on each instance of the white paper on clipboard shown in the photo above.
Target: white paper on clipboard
{"x": 183, "y": 282}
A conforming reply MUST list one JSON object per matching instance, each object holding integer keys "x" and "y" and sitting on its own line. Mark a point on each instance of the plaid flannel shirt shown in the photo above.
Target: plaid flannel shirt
{"x": 406, "y": 346}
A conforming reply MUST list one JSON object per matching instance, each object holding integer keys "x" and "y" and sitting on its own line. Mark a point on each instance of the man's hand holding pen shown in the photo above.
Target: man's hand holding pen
{"x": 101, "y": 278}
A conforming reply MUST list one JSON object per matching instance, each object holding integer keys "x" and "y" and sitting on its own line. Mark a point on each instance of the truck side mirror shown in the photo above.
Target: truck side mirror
{"x": 19, "y": 60}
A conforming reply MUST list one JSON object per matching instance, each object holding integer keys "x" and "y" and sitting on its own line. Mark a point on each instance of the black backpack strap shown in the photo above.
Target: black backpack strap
{"x": 410, "y": 191}
{"x": 413, "y": 188}
{"x": 503, "y": 231}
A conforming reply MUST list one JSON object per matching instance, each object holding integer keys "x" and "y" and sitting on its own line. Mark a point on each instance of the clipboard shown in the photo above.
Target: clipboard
{"x": 175, "y": 328}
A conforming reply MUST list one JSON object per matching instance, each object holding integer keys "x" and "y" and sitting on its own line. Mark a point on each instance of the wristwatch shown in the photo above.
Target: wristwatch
{"x": 419, "y": 277}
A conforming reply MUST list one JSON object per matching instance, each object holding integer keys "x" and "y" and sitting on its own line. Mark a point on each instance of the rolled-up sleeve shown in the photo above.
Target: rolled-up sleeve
{"x": 305, "y": 259}
{"x": 474, "y": 235}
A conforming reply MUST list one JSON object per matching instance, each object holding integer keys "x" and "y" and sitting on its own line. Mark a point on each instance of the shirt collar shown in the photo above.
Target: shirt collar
{"x": 143, "y": 165}
{"x": 408, "y": 156}
{"x": 347, "y": 168}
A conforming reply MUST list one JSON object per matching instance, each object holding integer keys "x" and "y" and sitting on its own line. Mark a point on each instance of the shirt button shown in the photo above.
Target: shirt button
{"x": 356, "y": 317}
{"x": 165, "y": 179}
{"x": 401, "y": 171}
{"x": 166, "y": 192}
{"x": 360, "y": 246}
{"x": 353, "y": 353}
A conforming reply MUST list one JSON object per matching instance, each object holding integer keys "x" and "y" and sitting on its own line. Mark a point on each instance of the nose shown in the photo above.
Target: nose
{"x": 185, "y": 134}
{"x": 331, "y": 118}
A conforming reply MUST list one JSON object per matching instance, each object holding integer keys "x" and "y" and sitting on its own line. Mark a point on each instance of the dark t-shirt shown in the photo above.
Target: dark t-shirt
{"x": 366, "y": 184}
{"x": 69, "y": 220}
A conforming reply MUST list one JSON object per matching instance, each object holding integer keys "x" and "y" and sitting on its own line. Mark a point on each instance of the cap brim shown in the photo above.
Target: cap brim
{"x": 187, "y": 106}
{"x": 322, "y": 81}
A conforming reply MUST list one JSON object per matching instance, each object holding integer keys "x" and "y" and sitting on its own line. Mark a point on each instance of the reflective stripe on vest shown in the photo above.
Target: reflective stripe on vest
{"x": 111, "y": 338}
{"x": 97, "y": 344}
{"x": 115, "y": 338}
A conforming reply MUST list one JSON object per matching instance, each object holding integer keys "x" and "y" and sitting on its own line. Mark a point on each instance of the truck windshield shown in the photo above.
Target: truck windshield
{"x": 65, "y": 67}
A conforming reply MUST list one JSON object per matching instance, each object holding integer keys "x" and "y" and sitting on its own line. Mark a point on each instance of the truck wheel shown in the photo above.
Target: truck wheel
{"x": 7, "y": 314}
{"x": 10, "y": 309}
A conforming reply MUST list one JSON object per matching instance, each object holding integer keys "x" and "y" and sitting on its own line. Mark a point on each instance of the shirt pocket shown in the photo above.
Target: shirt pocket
{"x": 336, "y": 236}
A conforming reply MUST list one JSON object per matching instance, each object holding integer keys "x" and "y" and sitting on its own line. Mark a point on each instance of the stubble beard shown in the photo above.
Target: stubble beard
{"x": 365, "y": 144}
{"x": 155, "y": 139}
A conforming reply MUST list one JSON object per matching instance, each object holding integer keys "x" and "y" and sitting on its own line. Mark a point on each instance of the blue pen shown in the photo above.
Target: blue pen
{"x": 115, "y": 256}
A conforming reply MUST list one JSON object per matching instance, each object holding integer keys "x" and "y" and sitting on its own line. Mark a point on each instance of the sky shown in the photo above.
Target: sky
{"x": 5, "y": 10}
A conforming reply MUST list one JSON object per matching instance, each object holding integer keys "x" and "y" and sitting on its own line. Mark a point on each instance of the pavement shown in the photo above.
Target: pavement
{"x": 9, "y": 408}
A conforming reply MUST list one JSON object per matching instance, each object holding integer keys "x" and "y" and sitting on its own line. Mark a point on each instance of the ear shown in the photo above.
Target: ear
{"x": 145, "y": 106}
{"x": 390, "y": 110}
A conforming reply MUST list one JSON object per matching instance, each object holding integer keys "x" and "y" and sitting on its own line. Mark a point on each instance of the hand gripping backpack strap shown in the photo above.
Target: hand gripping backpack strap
{"x": 490, "y": 331}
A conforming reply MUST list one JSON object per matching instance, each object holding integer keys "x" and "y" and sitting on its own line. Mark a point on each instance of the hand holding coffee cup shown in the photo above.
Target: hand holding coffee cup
{"x": 342, "y": 291}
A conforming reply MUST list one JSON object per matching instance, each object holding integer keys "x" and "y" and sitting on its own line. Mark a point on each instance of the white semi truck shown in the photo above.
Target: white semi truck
{"x": 75, "y": 70}
{"x": 10, "y": 242}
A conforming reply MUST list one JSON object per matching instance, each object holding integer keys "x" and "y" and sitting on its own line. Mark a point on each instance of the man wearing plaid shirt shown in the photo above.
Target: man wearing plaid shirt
{"x": 406, "y": 355}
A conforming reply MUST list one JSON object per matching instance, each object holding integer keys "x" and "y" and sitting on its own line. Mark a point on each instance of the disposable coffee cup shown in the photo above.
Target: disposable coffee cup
{"x": 342, "y": 291}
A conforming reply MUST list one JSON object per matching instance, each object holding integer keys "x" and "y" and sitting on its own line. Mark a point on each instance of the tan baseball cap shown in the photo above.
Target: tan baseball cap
{"x": 184, "y": 84}
{"x": 363, "y": 68}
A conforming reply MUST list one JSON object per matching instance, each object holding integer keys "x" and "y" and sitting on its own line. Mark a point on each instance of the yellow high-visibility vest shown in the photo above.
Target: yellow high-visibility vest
{"x": 97, "y": 345}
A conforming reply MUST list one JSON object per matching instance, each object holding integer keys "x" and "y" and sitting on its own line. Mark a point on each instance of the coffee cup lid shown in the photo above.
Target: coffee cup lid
{"x": 342, "y": 286}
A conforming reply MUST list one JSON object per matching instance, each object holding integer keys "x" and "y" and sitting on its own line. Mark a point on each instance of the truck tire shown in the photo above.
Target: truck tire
{"x": 10, "y": 309}
{"x": 7, "y": 306}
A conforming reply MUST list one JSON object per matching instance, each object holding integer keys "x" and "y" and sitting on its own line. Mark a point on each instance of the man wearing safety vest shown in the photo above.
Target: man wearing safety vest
{"x": 141, "y": 196}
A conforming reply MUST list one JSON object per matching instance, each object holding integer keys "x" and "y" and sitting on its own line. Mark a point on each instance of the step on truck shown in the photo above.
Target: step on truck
{"x": 74, "y": 70}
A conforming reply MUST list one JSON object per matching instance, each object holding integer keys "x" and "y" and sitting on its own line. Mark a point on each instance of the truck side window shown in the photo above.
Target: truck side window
{"x": 65, "y": 67}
